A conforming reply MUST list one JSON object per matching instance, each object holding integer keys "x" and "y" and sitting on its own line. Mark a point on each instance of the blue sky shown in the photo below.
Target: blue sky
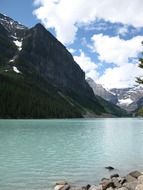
{"x": 104, "y": 38}
{"x": 19, "y": 10}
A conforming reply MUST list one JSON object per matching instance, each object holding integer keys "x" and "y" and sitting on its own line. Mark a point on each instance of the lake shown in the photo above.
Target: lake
{"x": 34, "y": 154}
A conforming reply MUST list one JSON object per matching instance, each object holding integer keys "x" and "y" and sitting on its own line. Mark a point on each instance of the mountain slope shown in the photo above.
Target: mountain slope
{"x": 126, "y": 98}
{"x": 43, "y": 54}
{"x": 39, "y": 77}
{"x": 23, "y": 99}
{"x": 7, "y": 47}
{"x": 102, "y": 92}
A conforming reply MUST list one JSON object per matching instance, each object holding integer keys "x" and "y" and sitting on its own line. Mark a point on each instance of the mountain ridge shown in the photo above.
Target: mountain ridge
{"x": 41, "y": 70}
{"x": 126, "y": 98}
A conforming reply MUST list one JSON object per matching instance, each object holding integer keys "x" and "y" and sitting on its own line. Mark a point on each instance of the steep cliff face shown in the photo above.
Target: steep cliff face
{"x": 102, "y": 92}
{"x": 45, "y": 55}
{"x": 7, "y": 48}
{"x": 10, "y": 33}
{"x": 40, "y": 79}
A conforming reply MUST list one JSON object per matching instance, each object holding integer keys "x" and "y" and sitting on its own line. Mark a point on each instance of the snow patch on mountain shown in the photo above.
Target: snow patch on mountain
{"x": 11, "y": 60}
{"x": 127, "y": 101}
{"x": 14, "y": 37}
{"x": 15, "y": 69}
{"x": 18, "y": 44}
{"x": 126, "y": 98}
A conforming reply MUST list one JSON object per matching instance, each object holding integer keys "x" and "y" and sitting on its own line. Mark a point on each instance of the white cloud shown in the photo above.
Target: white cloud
{"x": 120, "y": 77}
{"x": 89, "y": 67}
{"x": 67, "y": 16}
{"x": 116, "y": 50}
{"x": 71, "y": 50}
{"x": 64, "y": 16}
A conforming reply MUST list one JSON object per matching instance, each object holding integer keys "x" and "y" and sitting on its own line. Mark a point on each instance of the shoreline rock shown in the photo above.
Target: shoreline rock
{"x": 110, "y": 168}
{"x": 132, "y": 181}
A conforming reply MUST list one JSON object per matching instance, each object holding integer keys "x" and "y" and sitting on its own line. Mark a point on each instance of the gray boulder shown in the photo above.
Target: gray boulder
{"x": 62, "y": 185}
{"x": 94, "y": 187}
{"x": 107, "y": 183}
{"x": 116, "y": 182}
{"x": 58, "y": 187}
{"x": 135, "y": 174}
{"x": 122, "y": 188}
{"x": 86, "y": 187}
{"x": 131, "y": 185}
{"x": 130, "y": 178}
{"x": 66, "y": 187}
{"x": 139, "y": 187}
{"x": 140, "y": 179}
{"x": 110, "y": 188}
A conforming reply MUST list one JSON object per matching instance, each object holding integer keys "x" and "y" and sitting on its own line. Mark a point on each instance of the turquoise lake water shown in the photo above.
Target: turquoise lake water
{"x": 34, "y": 154}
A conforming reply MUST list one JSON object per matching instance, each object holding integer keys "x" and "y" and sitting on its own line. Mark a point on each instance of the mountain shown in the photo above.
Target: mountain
{"x": 40, "y": 79}
{"x": 126, "y": 98}
{"x": 100, "y": 91}
{"x": 13, "y": 27}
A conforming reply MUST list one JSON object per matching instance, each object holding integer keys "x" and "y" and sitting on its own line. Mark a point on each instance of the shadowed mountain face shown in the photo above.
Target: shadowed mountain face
{"x": 40, "y": 79}
{"x": 45, "y": 55}
{"x": 7, "y": 47}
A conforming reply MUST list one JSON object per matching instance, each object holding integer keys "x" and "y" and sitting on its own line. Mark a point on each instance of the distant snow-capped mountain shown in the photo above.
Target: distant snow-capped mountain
{"x": 126, "y": 98}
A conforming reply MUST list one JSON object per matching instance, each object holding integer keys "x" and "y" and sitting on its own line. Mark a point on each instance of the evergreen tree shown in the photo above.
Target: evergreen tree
{"x": 140, "y": 79}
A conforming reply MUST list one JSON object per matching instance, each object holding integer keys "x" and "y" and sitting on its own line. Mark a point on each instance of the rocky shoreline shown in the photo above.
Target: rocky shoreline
{"x": 132, "y": 181}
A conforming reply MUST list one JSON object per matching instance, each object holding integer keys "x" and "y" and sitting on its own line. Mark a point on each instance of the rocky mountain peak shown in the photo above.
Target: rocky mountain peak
{"x": 43, "y": 54}
{"x": 13, "y": 27}
{"x": 39, "y": 26}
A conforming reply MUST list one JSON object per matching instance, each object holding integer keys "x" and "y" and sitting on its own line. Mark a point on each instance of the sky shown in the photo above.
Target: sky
{"x": 104, "y": 37}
